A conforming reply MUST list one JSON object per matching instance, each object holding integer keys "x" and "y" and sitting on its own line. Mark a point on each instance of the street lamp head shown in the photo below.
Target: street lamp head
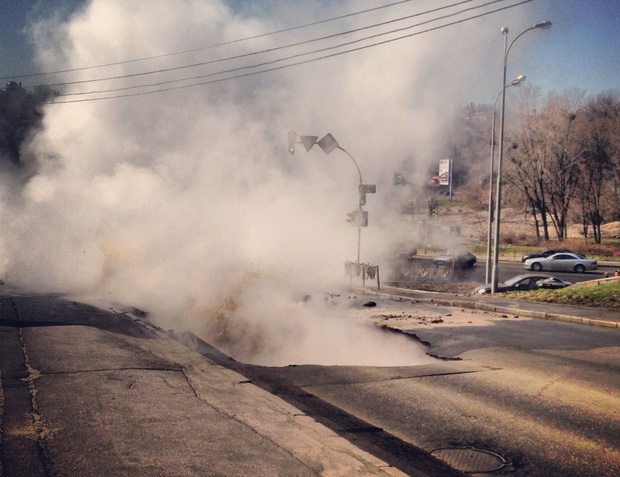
{"x": 328, "y": 143}
{"x": 308, "y": 141}
{"x": 504, "y": 30}
{"x": 518, "y": 80}
{"x": 544, "y": 25}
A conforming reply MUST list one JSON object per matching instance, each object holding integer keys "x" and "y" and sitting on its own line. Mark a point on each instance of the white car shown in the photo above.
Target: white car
{"x": 561, "y": 262}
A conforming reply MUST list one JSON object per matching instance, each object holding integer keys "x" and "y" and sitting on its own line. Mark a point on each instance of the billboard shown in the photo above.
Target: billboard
{"x": 444, "y": 172}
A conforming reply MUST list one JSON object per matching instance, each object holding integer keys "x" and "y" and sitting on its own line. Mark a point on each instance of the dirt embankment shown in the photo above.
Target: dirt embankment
{"x": 518, "y": 228}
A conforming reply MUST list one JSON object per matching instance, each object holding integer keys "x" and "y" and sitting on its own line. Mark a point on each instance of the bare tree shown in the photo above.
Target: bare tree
{"x": 599, "y": 136}
{"x": 526, "y": 171}
{"x": 562, "y": 178}
{"x": 562, "y": 155}
{"x": 612, "y": 115}
{"x": 545, "y": 161}
{"x": 21, "y": 112}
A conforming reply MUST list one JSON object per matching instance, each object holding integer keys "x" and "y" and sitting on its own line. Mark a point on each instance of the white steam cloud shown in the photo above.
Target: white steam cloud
{"x": 170, "y": 201}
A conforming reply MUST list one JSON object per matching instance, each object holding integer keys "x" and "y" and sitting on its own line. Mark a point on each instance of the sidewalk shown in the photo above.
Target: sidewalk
{"x": 87, "y": 392}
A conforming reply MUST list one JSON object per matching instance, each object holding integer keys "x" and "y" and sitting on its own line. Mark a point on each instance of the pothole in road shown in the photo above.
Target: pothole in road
{"x": 470, "y": 460}
{"x": 329, "y": 330}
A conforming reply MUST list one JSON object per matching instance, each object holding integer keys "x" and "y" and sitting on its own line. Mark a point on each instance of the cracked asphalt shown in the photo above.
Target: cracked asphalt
{"x": 88, "y": 392}
{"x": 91, "y": 392}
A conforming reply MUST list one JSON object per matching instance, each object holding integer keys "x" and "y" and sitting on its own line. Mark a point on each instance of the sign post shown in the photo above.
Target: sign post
{"x": 445, "y": 174}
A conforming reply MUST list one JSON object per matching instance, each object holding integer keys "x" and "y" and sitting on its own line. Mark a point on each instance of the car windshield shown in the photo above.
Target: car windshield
{"x": 513, "y": 280}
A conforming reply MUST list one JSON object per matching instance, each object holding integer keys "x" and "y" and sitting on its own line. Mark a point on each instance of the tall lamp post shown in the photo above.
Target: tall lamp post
{"x": 328, "y": 143}
{"x": 498, "y": 195}
{"x": 515, "y": 82}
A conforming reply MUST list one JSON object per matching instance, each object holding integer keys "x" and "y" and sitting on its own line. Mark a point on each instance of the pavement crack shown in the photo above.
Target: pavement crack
{"x": 544, "y": 388}
{"x": 393, "y": 378}
{"x": 106, "y": 370}
{"x": 189, "y": 381}
{"x": 38, "y": 421}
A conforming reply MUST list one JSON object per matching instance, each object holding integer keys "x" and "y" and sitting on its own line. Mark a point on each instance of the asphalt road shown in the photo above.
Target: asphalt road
{"x": 90, "y": 392}
{"x": 543, "y": 396}
{"x": 101, "y": 393}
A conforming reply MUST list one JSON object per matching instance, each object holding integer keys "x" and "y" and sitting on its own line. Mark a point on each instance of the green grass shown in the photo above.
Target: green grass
{"x": 603, "y": 295}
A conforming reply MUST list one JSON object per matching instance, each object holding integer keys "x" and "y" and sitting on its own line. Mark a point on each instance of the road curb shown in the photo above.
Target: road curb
{"x": 475, "y": 305}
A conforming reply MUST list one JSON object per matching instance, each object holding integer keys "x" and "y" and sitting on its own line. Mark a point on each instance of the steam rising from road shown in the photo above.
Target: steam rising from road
{"x": 170, "y": 201}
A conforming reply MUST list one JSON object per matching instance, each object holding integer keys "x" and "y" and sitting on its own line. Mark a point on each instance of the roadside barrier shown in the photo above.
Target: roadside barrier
{"x": 362, "y": 270}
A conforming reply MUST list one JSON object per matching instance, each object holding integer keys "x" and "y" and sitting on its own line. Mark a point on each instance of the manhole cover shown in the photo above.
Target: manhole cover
{"x": 468, "y": 459}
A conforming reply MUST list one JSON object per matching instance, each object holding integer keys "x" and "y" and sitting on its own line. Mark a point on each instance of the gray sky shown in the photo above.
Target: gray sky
{"x": 581, "y": 51}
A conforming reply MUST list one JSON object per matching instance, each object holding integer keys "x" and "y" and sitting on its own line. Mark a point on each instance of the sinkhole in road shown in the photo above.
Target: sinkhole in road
{"x": 329, "y": 332}
{"x": 359, "y": 345}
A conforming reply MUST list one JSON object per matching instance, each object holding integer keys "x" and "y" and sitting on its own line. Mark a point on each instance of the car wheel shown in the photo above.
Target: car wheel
{"x": 580, "y": 268}
{"x": 537, "y": 267}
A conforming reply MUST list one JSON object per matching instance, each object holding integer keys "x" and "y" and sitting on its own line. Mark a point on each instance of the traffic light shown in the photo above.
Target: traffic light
{"x": 363, "y": 218}
{"x": 358, "y": 218}
{"x": 366, "y": 189}
{"x": 292, "y": 136}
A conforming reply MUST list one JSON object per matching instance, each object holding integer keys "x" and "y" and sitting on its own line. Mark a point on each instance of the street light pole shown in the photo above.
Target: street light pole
{"x": 498, "y": 195}
{"x": 515, "y": 82}
{"x": 360, "y": 205}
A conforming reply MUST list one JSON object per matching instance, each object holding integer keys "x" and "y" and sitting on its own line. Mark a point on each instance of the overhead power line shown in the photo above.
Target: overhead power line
{"x": 216, "y": 45}
{"x": 283, "y": 47}
{"x": 238, "y": 70}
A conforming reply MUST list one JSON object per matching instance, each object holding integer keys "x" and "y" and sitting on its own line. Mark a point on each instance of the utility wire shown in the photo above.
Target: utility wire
{"x": 213, "y": 81}
{"x": 232, "y": 70}
{"x": 200, "y": 48}
{"x": 268, "y": 50}
{"x": 271, "y": 62}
